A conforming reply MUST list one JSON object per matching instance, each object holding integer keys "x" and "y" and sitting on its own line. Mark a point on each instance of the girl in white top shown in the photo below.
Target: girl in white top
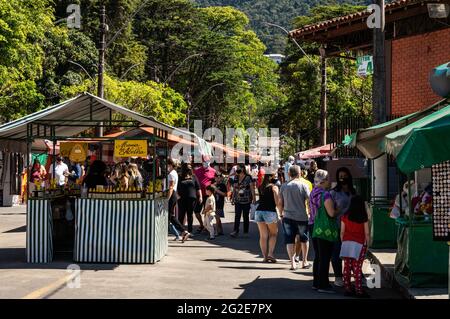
{"x": 210, "y": 211}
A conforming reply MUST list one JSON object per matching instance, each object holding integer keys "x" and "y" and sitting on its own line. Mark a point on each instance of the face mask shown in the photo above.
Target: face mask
{"x": 239, "y": 171}
{"x": 206, "y": 164}
{"x": 274, "y": 180}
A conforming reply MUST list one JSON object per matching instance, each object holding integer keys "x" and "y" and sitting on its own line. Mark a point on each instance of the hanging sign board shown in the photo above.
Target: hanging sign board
{"x": 75, "y": 151}
{"x": 365, "y": 65}
{"x": 130, "y": 148}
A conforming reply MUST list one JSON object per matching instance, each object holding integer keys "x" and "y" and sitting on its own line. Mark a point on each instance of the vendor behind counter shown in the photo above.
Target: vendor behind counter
{"x": 96, "y": 175}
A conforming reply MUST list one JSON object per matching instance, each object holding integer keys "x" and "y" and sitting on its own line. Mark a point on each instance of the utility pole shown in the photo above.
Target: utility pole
{"x": 323, "y": 96}
{"x": 379, "y": 75}
{"x": 101, "y": 58}
{"x": 379, "y": 173}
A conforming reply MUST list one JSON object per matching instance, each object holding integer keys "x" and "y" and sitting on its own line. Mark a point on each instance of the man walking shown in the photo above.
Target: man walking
{"x": 293, "y": 197}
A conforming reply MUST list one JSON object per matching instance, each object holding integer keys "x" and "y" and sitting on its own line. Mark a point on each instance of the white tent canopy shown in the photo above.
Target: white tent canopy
{"x": 68, "y": 118}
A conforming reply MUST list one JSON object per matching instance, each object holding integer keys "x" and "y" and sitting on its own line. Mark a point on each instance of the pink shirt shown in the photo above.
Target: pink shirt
{"x": 205, "y": 177}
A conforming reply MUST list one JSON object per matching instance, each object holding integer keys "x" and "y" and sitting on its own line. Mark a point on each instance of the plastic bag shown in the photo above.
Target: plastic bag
{"x": 69, "y": 214}
{"x": 253, "y": 211}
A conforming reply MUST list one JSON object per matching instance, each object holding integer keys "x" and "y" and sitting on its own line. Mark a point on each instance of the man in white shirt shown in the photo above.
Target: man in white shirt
{"x": 288, "y": 164}
{"x": 61, "y": 171}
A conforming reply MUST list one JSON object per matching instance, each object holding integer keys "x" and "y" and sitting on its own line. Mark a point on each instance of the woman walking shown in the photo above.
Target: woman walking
{"x": 189, "y": 192}
{"x": 321, "y": 223}
{"x": 267, "y": 217}
{"x": 244, "y": 195}
{"x": 173, "y": 184}
{"x": 341, "y": 195}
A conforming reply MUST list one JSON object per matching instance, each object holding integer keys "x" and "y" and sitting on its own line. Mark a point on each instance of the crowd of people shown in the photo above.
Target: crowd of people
{"x": 298, "y": 199}
{"x": 124, "y": 175}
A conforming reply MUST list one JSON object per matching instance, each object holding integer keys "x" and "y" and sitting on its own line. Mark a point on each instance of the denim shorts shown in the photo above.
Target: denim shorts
{"x": 264, "y": 216}
{"x": 292, "y": 228}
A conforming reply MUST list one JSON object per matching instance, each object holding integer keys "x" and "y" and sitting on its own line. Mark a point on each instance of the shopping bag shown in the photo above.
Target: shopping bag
{"x": 253, "y": 211}
{"x": 325, "y": 227}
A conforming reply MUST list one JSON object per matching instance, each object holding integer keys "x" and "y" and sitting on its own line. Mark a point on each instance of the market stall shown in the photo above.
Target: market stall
{"x": 425, "y": 229}
{"x": 416, "y": 143}
{"x": 100, "y": 224}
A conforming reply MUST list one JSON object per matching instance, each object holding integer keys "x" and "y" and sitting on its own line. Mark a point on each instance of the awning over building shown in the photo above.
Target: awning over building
{"x": 369, "y": 140}
{"x": 422, "y": 143}
{"x": 316, "y": 152}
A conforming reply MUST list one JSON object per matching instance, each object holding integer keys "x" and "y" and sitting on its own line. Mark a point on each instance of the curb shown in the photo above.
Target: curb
{"x": 388, "y": 276}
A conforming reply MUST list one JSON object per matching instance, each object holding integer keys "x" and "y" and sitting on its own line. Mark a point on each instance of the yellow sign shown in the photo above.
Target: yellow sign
{"x": 130, "y": 148}
{"x": 76, "y": 151}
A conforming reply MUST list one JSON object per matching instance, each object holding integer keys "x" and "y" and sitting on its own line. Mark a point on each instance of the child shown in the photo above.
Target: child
{"x": 221, "y": 193}
{"x": 355, "y": 237}
{"x": 210, "y": 211}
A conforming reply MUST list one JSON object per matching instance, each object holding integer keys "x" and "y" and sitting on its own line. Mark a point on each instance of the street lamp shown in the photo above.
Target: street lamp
{"x": 182, "y": 62}
{"x": 189, "y": 100}
{"x": 293, "y": 40}
{"x": 79, "y": 65}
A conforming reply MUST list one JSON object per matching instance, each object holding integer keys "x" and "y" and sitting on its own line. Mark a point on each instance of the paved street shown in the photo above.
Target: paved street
{"x": 225, "y": 268}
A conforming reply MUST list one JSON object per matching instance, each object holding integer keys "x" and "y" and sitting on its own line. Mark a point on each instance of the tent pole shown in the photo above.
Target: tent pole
{"x": 27, "y": 186}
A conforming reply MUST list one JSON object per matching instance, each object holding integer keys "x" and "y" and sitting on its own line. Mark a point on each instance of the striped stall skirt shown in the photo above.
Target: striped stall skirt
{"x": 39, "y": 231}
{"x": 120, "y": 231}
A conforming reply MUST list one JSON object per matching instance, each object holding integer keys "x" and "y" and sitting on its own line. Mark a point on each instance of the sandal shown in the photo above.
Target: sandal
{"x": 185, "y": 237}
{"x": 307, "y": 266}
{"x": 270, "y": 259}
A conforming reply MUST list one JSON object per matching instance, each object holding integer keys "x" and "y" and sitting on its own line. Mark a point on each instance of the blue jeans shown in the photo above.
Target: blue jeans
{"x": 292, "y": 228}
{"x": 241, "y": 209}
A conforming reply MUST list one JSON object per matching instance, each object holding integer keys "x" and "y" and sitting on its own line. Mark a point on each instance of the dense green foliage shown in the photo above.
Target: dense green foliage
{"x": 176, "y": 61}
{"x": 347, "y": 94}
{"x": 281, "y": 12}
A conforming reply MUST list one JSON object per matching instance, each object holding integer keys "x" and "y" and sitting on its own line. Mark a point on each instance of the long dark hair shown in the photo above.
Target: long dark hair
{"x": 338, "y": 187}
{"x": 186, "y": 171}
{"x": 357, "y": 211}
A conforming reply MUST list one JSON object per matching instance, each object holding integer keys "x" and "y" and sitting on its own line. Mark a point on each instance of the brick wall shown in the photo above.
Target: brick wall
{"x": 412, "y": 60}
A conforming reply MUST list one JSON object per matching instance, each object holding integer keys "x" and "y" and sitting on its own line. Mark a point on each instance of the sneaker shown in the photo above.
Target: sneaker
{"x": 211, "y": 238}
{"x": 314, "y": 288}
{"x": 338, "y": 282}
{"x": 327, "y": 291}
{"x": 234, "y": 234}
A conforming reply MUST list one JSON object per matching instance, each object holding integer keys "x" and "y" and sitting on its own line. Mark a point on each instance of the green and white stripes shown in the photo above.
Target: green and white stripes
{"x": 120, "y": 231}
{"x": 39, "y": 231}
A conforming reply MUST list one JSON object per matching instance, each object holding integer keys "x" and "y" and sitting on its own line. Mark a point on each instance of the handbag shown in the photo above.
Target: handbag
{"x": 325, "y": 227}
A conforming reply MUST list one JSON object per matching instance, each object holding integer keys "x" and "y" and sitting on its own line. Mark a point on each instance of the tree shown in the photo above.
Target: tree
{"x": 347, "y": 94}
{"x": 22, "y": 30}
{"x": 148, "y": 98}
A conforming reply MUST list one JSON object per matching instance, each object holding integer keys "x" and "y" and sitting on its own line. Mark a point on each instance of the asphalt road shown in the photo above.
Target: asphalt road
{"x": 225, "y": 268}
